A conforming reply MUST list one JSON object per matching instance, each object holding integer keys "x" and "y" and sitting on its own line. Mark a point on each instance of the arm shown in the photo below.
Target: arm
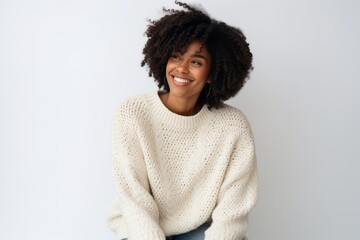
{"x": 138, "y": 207}
{"x": 238, "y": 193}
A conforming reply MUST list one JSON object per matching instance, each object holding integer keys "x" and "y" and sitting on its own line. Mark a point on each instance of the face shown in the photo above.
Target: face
{"x": 188, "y": 72}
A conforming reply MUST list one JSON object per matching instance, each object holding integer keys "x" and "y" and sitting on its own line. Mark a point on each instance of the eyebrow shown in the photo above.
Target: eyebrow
{"x": 198, "y": 55}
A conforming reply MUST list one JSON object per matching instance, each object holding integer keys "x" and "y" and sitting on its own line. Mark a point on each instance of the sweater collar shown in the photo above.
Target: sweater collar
{"x": 163, "y": 114}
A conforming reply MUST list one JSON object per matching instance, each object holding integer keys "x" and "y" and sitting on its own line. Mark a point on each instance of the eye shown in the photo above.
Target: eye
{"x": 195, "y": 62}
{"x": 175, "y": 56}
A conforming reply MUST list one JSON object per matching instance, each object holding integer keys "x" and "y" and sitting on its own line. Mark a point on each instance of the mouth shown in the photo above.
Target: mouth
{"x": 179, "y": 81}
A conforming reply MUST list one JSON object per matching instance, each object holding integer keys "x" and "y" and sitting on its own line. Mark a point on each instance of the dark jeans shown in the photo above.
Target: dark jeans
{"x": 196, "y": 234}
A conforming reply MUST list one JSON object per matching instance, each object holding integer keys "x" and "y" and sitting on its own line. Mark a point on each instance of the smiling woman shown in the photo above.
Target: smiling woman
{"x": 184, "y": 161}
{"x": 186, "y": 74}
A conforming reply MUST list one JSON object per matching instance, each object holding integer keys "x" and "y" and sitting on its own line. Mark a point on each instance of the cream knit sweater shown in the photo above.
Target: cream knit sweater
{"x": 173, "y": 173}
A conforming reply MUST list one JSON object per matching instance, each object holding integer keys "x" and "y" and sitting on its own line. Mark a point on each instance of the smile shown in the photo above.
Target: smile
{"x": 181, "y": 80}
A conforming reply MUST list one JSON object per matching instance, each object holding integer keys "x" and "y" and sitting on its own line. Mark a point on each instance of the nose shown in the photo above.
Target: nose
{"x": 182, "y": 67}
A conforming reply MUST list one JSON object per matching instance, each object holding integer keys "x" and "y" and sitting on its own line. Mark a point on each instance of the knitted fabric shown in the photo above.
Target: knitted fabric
{"x": 173, "y": 173}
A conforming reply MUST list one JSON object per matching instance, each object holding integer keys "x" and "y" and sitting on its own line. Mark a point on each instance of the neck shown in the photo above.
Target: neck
{"x": 181, "y": 106}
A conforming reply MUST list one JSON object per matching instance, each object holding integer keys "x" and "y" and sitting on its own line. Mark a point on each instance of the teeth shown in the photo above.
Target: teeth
{"x": 183, "y": 80}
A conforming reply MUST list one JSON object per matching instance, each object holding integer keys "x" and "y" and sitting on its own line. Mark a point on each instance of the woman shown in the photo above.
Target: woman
{"x": 184, "y": 161}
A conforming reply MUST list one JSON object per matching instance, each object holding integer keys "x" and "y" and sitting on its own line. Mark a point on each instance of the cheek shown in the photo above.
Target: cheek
{"x": 170, "y": 65}
{"x": 204, "y": 74}
{"x": 167, "y": 66}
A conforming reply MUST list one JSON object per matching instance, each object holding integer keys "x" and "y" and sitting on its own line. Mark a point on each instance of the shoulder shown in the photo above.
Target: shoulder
{"x": 132, "y": 108}
{"x": 228, "y": 113}
{"x": 231, "y": 119}
{"x": 236, "y": 125}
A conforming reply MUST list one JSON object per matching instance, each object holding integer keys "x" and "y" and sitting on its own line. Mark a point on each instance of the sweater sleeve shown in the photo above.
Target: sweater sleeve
{"x": 238, "y": 192}
{"x": 138, "y": 207}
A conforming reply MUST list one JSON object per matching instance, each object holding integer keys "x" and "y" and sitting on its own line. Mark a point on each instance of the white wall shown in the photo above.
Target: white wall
{"x": 64, "y": 65}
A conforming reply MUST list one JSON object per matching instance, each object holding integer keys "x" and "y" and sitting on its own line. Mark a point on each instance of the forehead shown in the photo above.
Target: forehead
{"x": 196, "y": 47}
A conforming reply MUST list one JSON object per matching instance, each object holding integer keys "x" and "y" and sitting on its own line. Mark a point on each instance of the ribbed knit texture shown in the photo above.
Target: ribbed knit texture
{"x": 173, "y": 173}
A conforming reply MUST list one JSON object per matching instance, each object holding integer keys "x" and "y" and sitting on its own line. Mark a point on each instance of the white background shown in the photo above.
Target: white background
{"x": 64, "y": 65}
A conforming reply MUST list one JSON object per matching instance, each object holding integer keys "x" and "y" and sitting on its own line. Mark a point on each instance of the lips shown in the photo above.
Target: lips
{"x": 179, "y": 81}
{"x": 183, "y": 80}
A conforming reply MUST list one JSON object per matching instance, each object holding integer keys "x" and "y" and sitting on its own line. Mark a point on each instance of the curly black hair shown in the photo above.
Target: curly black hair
{"x": 227, "y": 46}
